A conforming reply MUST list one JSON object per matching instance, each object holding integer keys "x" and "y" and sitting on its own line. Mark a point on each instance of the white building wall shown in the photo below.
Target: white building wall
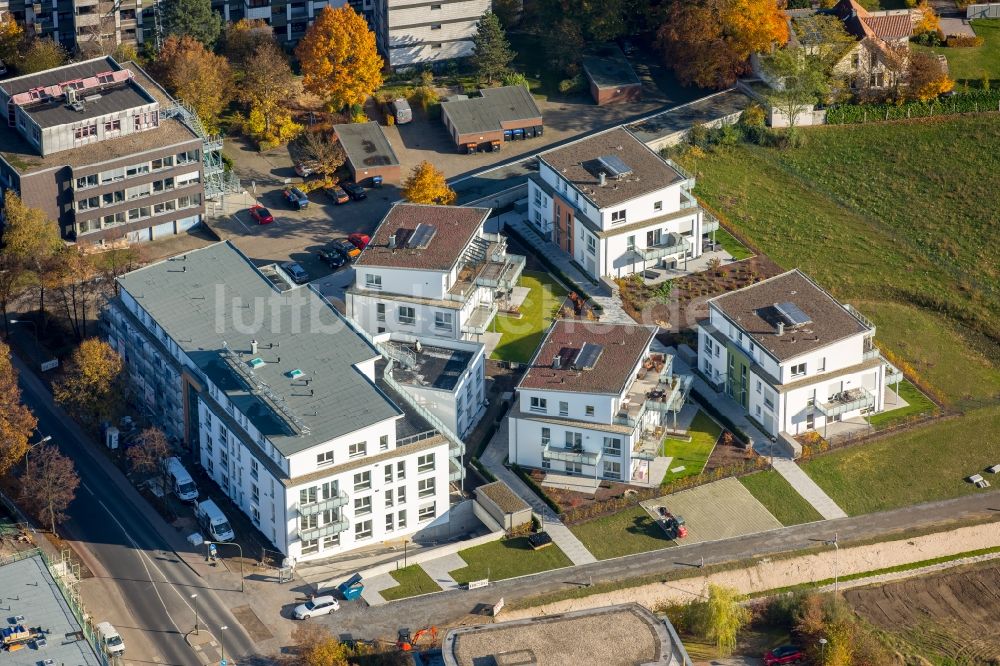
{"x": 576, "y": 404}
{"x": 643, "y": 208}
{"x": 364, "y": 309}
{"x": 353, "y": 446}
{"x": 526, "y": 443}
{"x": 409, "y": 282}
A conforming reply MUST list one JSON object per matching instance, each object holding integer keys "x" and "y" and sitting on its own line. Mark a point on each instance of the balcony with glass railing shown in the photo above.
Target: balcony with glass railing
{"x": 329, "y": 529}
{"x": 670, "y": 244}
{"x": 321, "y": 505}
{"x": 847, "y": 401}
{"x": 478, "y": 320}
{"x": 571, "y": 455}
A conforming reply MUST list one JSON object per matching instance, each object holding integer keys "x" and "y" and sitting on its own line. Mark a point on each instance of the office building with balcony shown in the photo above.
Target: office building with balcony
{"x": 792, "y": 356}
{"x": 615, "y": 206}
{"x": 596, "y": 402}
{"x": 106, "y": 152}
{"x": 432, "y": 272}
{"x": 283, "y": 403}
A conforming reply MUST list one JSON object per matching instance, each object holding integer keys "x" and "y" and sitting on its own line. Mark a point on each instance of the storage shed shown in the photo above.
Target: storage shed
{"x": 369, "y": 153}
{"x": 611, "y": 77}
{"x": 497, "y": 115}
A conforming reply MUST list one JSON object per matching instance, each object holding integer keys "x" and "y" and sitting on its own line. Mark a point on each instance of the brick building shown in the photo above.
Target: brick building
{"x": 496, "y": 116}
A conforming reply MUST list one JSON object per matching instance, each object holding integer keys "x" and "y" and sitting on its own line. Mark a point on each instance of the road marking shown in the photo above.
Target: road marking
{"x": 237, "y": 218}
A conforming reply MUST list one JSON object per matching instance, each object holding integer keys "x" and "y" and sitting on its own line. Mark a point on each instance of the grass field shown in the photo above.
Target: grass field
{"x": 520, "y": 337}
{"x": 917, "y": 403}
{"x": 784, "y": 503}
{"x": 692, "y": 455}
{"x": 507, "y": 558}
{"x": 412, "y": 581}
{"x": 921, "y": 465}
{"x": 969, "y": 64}
{"x": 870, "y": 211}
{"x": 731, "y": 245}
{"x": 623, "y": 533}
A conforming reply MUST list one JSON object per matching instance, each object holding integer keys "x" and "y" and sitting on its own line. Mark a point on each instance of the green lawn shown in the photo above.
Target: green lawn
{"x": 870, "y": 211}
{"x": 507, "y": 558}
{"x": 692, "y": 455}
{"x": 731, "y": 245}
{"x": 969, "y": 64}
{"x": 918, "y": 403}
{"x": 623, "y": 533}
{"x": 784, "y": 503}
{"x": 920, "y": 465}
{"x": 520, "y": 337}
{"x": 412, "y": 581}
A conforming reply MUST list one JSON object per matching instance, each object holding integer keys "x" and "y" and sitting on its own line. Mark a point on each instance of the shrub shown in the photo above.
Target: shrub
{"x": 963, "y": 41}
{"x": 931, "y": 38}
{"x": 516, "y": 79}
{"x": 973, "y": 101}
{"x": 524, "y": 476}
{"x": 390, "y": 120}
{"x": 698, "y": 135}
{"x": 753, "y": 116}
{"x": 571, "y": 85}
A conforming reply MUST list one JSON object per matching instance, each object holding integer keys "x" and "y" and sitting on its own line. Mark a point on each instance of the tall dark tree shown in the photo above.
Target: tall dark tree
{"x": 41, "y": 54}
{"x": 49, "y": 484}
{"x": 192, "y": 18}
{"x": 16, "y": 420}
{"x": 492, "y": 52}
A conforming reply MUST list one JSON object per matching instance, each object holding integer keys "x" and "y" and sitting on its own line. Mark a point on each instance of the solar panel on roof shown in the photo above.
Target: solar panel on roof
{"x": 421, "y": 236}
{"x": 792, "y": 313}
{"x": 615, "y": 166}
{"x": 588, "y": 356}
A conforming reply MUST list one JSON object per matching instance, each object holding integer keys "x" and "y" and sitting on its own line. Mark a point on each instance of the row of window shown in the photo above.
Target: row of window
{"x": 355, "y": 450}
{"x": 541, "y": 405}
{"x": 363, "y": 528}
{"x": 407, "y": 316}
{"x": 137, "y": 192}
{"x": 122, "y": 173}
{"x": 612, "y": 446}
{"x": 137, "y": 214}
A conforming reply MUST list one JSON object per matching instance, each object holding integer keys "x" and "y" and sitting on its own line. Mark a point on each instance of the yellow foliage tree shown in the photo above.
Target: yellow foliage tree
{"x": 92, "y": 387}
{"x": 11, "y": 36}
{"x": 339, "y": 59}
{"x": 926, "y": 78}
{"x": 197, "y": 76}
{"x": 16, "y": 420}
{"x": 929, "y": 21}
{"x": 426, "y": 185}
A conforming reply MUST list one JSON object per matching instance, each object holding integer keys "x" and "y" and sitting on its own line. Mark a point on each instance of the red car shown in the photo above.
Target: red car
{"x": 261, "y": 215}
{"x": 786, "y": 654}
{"x": 359, "y": 241}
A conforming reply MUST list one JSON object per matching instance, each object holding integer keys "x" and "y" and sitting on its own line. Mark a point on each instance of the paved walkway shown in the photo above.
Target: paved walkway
{"x": 493, "y": 458}
{"x": 613, "y": 312}
{"x": 953, "y": 21}
{"x": 784, "y": 465}
{"x": 439, "y": 570}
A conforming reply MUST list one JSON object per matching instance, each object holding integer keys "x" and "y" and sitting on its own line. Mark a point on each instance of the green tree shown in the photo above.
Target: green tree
{"x": 564, "y": 47}
{"x": 41, "y": 54}
{"x": 722, "y": 616}
{"x": 492, "y": 53}
{"x": 798, "y": 81}
{"x": 267, "y": 85}
{"x": 192, "y": 18}
{"x": 17, "y": 423}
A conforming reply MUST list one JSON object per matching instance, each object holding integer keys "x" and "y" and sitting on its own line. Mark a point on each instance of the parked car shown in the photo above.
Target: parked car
{"x": 355, "y": 191}
{"x": 338, "y": 194}
{"x": 261, "y": 215}
{"x": 346, "y": 247}
{"x": 295, "y": 271}
{"x": 786, "y": 654}
{"x": 303, "y": 170}
{"x": 402, "y": 111}
{"x": 359, "y": 241}
{"x": 213, "y": 521}
{"x": 333, "y": 258}
{"x": 111, "y": 641}
{"x": 316, "y": 606}
{"x": 296, "y": 198}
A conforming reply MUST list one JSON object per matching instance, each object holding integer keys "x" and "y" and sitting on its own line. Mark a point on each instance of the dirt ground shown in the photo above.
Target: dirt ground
{"x": 952, "y": 617}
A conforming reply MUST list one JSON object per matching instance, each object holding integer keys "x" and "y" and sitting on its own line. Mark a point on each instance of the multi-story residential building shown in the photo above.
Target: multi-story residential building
{"x": 282, "y": 402}
{"x": 105, "y": 152}
{"x": 596, "y": 402}
{"x": 615, "y": 206}
{"x": 93, "y": 26}
{"x": 792, "y": 356}
{"x": 432, "y": 272}
{"x": 417, "y": 32}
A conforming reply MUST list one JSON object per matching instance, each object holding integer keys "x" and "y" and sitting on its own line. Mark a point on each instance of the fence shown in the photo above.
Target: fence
{"x": 991, "y": 10}
{"x": 970, "y": 102}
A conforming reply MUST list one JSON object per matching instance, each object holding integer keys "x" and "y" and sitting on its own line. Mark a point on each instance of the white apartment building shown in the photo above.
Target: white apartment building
{"x": 615, "y": 206}
{"x": 282, "y": 403}
{"x": 595, "y": 402}
{"x": 432, "y": 272}
{"x": 417, "y": 32}
{"x": 792, "y": 356}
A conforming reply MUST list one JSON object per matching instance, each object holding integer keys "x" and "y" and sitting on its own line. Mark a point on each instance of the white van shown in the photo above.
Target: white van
{"x": 180, "y": 481}
{"x": 111, "y": 641}
{"x": 402, "y": 111}
{"x": 213, "y": 521}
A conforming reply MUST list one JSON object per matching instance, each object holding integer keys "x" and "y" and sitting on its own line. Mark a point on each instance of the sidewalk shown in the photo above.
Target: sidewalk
{"x": 784, "y": 465}
{"x": 493, "y": 458}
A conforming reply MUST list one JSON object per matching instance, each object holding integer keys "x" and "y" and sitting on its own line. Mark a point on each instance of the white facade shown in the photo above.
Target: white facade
{"x": 841, "y": 380}
{"x": 414, "y": 33}
{"x": 661, "y": 228}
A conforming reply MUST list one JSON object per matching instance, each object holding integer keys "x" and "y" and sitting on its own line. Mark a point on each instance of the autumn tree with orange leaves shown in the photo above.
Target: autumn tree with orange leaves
{"x": 340, "y": 62}
{"x": 708, "y": 43}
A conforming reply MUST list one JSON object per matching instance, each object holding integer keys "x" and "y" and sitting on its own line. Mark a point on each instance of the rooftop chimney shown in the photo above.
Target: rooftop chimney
{"x": 392, "y": 242}
{"x": 781, "y": 328}
{"x": 253, "y": 347}
{"x": 556, "y": 362}
{"x": 602, "y": 178}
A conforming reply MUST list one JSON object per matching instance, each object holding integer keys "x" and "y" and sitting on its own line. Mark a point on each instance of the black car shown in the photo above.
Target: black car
{"x": 354, "y": 191}
{"x": 332, "y": 258}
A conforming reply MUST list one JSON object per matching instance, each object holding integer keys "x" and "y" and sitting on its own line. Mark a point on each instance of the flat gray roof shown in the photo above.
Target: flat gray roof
{"x": 30, "y": 591}
{"x": 56, "y": 75}
{"x": 365, "y": 145}
{"x": 214, "y": 297}
{"x": 489, "y": 112}
{"x": 608, "y": 68}
{"x": 432, "y": 367}
{"x": 127, "y": 95}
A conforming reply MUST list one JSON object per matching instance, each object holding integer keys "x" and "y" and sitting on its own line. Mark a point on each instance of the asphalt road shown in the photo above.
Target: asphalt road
{"x": 117, "y": 526}
{"x": 357, "y": 620}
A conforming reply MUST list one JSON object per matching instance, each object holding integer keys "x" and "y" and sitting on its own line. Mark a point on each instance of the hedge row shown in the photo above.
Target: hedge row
{"x": 970, "y": 102}
{"x": 535, "y": 487}
{"x": 555, "y": 270}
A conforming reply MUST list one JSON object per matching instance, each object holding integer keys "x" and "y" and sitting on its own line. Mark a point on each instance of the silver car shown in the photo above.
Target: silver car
{"x": 296, "y": 272}
{"x": 316, "y": 606}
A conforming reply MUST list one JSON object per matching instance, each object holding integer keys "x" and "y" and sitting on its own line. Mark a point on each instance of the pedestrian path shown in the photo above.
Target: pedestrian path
{"x": 440, "y": 567}
{"x": 781, "y": 462}
{"x": 493, "y": 458}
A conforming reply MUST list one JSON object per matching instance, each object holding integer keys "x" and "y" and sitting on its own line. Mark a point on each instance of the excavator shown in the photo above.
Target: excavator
{"x": 405, "y": 643}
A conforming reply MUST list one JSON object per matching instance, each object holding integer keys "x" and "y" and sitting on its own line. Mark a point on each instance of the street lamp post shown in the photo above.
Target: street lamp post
{"x": 27, "y": 470}
{"x": 222, "y": 641}
{"x": 232, "y": 543}
{"x": 822, "y": 650}
{"x": 835, "y": 542}
{"x": 194, "y": 602}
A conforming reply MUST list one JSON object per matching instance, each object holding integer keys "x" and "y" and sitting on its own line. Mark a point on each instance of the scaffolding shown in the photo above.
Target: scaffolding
{"x": 218, "y": 181}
